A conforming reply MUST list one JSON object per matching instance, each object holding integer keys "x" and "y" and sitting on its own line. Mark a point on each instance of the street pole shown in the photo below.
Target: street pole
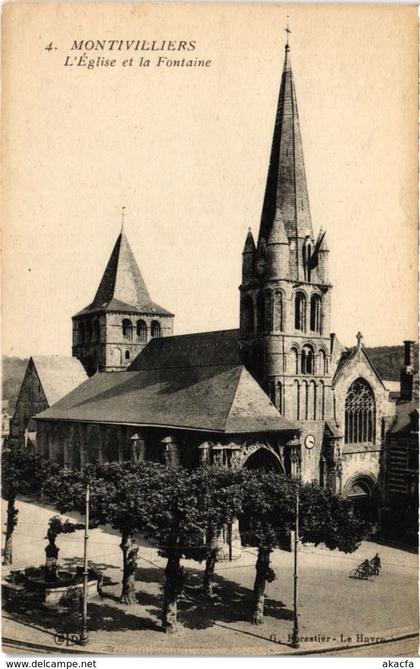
{"x": 84, "y": 634}
{"x": 295, "y": 633}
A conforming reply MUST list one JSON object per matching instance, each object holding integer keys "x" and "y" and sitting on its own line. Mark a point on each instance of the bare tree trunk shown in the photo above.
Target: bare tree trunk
{"x": 262, "y": 567}
{"x": 172, "y": 588}
{"x": 212, "y": 548}
{"x": 129, "y": 550}
{"x": 11, "y": 520}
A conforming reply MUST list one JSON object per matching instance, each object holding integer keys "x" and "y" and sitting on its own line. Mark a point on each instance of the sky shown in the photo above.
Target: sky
{"x": 186, "y": 150}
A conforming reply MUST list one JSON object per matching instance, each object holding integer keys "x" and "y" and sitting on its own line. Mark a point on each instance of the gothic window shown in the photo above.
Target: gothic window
{"x": 305, "y": 400}
{"x": 269, "y": 311}
{"x": 307, "y": 360}
{"x": 261, "y": 312}
{"x": 141, "y": 330}
{"x": 127, "y": 355}
{"x": 96, "y": 331}
{"x": 155, "y": 329}
{"x": 322, "y": 363}
{"x": 359, "y": 413}
{"x": 296, "y": 387}
{"x": 316, "y": 313}
{"x": 322, "y": 399}
{"x": 248, "y": 317}
{"x": 300, "y": 312}
{"x": 313, "y": 400}
{"x": 278, "y": 312}
{"x": 127, "y": 329}
{"x": 295, "y": 361}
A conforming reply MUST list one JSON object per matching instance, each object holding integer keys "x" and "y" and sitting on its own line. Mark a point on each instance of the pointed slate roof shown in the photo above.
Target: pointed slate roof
{"x": 57, "y": 375}
{"x": 286, "y": 180}
{"x": 122, "y": 287}
{"x": 214, "y": 398}
{"x": 249, "y": 246}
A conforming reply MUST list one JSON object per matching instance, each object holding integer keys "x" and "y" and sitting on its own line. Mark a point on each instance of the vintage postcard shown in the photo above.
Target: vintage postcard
{"x": 210, "y": 356}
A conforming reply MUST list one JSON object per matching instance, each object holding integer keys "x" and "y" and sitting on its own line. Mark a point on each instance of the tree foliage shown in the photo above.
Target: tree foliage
{"x": 269, "y": 515}
{"x": 23, "y": 473}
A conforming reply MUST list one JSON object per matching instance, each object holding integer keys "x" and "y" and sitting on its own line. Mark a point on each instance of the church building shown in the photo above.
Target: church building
{"x": 279, "y": 392}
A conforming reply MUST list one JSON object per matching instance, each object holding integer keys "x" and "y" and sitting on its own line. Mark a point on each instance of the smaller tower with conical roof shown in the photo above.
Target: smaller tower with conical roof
{"x": 116, "y": 326}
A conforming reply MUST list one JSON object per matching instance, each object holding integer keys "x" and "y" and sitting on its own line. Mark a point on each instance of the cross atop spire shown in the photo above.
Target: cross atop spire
{"x": 122, "y": 218}
{"x": 359, "y": 338}
{"x": 288, "y": 32}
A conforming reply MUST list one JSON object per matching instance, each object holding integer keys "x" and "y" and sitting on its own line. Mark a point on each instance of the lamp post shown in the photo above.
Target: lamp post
{"x": 295, "y": 633}
{"x": 84, "y": 634}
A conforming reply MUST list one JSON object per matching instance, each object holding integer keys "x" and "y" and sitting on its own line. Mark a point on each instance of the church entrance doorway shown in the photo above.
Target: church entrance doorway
{"x": 362, "y": 491}
{"x": 265, "y": 459}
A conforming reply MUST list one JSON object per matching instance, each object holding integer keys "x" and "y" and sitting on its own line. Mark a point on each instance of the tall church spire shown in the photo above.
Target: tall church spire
{"x": 286, "y": 180}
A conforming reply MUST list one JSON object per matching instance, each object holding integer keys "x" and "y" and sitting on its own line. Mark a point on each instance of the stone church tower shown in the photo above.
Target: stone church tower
{"x": 116, "y": 326}
{"x": 285, "y": 291}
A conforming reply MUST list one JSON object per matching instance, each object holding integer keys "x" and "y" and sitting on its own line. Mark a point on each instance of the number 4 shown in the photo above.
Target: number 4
{"x": 50, "y": 47}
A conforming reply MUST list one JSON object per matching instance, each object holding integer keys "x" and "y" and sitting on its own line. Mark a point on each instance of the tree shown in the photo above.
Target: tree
{"x": 269, "y": 516}
{"x": 22, "y": 474}
{"x": 176, "y": 523}
{"x": 116, "y": 494}
{"x": 221, "y": 496}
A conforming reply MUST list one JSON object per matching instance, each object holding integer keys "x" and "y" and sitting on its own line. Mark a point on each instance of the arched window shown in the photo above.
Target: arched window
{"x": 296, "y": 388}
{"x": 248, "y": 315}
{"x": 316, "y": 313}
{"x": 278, "y": 313}
{"x": 96, "y": 331}
{"x": 313, "y": 400}
{"x": 305, "y": 400}
{"x": 307, "y": 360}
{"x": 141, "y": 330}
{"x": 272, "y": 391}
{"x": 322, "y": 363}
{"x": 279, "y": 397}
{"x": 81, "y": 333}
{"x": 300, "y": 312}
{"x": 127, "y": 355}
{"x": 155, "y": 329}
{"x": 359, "y": 413}
{"x": 306, "y": 253}
{"x": 322, "y": 399}
{"x": 88, "y": 331}
{"x": 127, "y": 329}
{"x": 261, "y": 312}
{"x": 269, "y": 311}
{"x": 295, "y": 360}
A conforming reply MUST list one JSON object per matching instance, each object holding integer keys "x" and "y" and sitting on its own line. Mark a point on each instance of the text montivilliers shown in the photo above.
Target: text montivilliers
{"x": 133, "y": 45}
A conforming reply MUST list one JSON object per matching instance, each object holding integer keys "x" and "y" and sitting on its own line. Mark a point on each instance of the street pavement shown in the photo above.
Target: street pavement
{"x": 335, "y": 611}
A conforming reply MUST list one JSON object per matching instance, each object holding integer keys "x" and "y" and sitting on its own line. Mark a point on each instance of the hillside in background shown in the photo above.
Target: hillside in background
{"x": 13, "y": 370}
{"x": 387, "y": 360}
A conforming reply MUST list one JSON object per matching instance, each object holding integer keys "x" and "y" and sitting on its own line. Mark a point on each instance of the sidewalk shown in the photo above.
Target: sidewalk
{"x": 20, "y": 637}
